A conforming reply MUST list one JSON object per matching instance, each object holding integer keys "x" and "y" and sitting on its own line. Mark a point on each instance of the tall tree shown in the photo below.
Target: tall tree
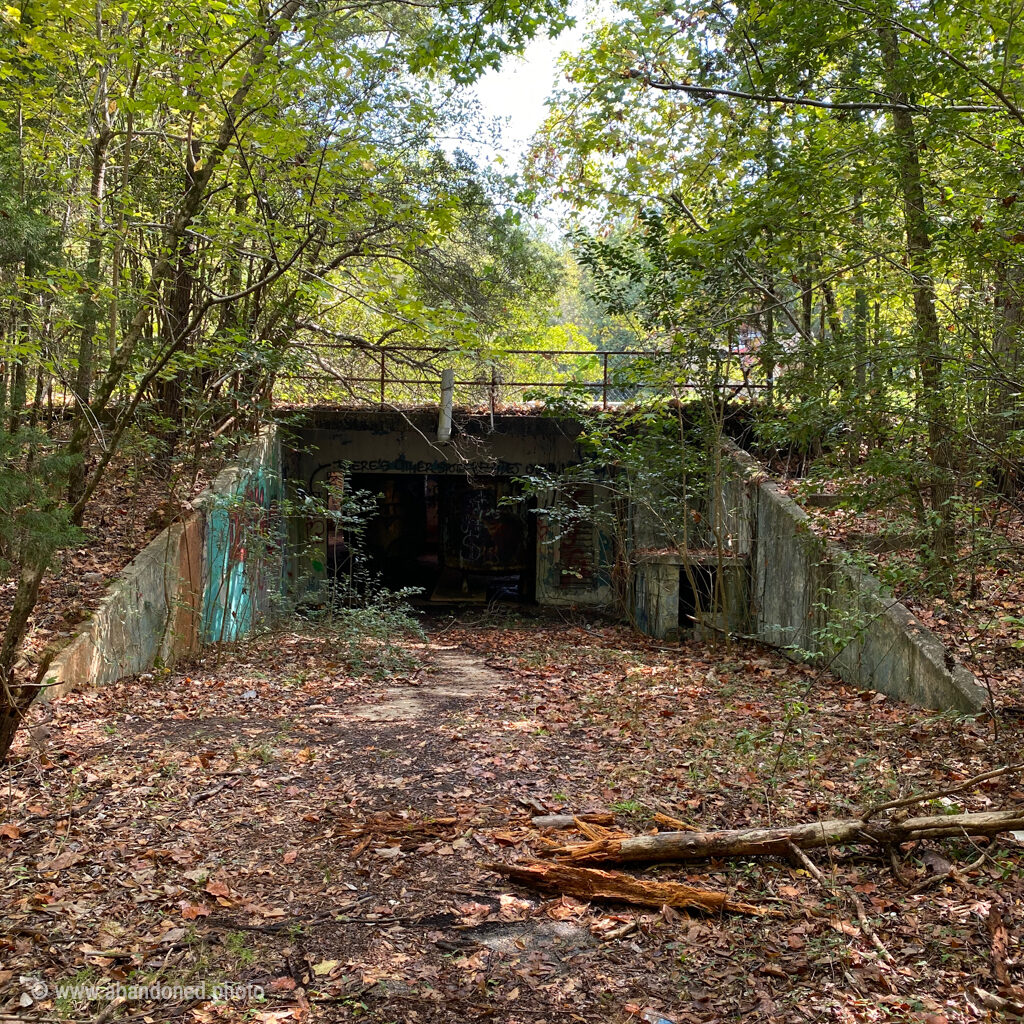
{"x": 808, "y": 163}
{"x": 251, "y": 166}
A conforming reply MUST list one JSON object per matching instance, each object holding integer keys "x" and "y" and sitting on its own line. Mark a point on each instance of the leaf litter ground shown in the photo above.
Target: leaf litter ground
{"x": 262, "y": 818}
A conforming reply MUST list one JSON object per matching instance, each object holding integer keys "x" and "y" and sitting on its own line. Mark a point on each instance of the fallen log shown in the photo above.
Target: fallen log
{"x": 676, "y": 824}
{"x": 592, "y": 883}
{"x": 747, "y": 842}
{"x": 569, "y": 820}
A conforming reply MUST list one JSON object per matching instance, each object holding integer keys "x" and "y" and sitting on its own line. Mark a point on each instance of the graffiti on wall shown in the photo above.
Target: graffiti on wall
{"x": 480, "y": 532}
{"x": 241, "y": 540}
{"x": 575, "y": 557}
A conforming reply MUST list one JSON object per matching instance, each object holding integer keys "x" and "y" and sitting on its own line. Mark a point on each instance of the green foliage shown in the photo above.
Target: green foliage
{"x": 742, "y": 183}
{"x": 208, "y": 207}
{"x": 33, "y": 526}
{"x": 644, "y": 481}
{"x": 361, "y": 622}
{"x": 369, "y": 638}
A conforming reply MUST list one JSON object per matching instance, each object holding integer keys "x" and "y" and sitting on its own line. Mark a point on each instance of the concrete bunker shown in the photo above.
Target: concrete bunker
{"x": 456, "y": 538}
{"x": 450, "y": 519}
{"x": 213, "y": 577}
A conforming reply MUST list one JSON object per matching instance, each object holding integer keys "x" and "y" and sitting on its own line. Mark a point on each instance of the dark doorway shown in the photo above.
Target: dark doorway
{"x": 458, "y": 539}
{"x": 696, "y": 593}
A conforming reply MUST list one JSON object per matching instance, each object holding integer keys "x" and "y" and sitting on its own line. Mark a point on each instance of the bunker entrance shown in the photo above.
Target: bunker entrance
{"x": 458, "y": 539}
{"x": 697, "y": 596}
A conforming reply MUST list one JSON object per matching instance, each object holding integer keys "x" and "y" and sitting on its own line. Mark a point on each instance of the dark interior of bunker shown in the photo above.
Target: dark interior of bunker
{"x": 447, "y": 518}
{"x": 455, "y": 538}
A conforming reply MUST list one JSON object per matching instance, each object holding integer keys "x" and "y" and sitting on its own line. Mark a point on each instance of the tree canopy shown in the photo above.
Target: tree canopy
{"x": 824, "y": 192}
{"x": 197, "y": 198}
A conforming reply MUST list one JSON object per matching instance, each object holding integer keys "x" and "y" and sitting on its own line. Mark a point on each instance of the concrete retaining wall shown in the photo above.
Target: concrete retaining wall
{"x": 658, "y": 580}
{"x": 165, "y": 603}
{"x": 150, "y": 614}
{"x": 807, "y": 594}
{"x": 242, "y": 538}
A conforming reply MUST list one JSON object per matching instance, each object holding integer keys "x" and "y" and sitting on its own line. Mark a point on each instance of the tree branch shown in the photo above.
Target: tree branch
{"x": 708, "y": 92}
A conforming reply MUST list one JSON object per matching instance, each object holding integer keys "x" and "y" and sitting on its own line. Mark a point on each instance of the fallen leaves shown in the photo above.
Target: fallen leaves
{"x": 368, "y": 857}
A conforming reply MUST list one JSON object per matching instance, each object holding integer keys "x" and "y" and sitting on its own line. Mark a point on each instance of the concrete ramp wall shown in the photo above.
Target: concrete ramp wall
{"x": 806, "y": 594}
{"x": 204, "y": 579}
{"x": 242, "y": 534}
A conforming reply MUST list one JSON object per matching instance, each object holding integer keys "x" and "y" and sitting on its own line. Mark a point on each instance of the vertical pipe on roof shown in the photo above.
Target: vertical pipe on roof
{"x": 444, "y": 422}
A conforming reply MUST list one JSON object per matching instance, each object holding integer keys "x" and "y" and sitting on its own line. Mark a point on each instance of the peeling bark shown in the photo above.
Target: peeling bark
{"x": 590, "y": 884}
{"x": 746, "y": 842}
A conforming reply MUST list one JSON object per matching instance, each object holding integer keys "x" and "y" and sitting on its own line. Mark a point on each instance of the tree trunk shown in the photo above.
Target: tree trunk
{"x": 860, "y": 318}
{"x": 121, "y": 229}
{"x": 37, "y": 398}
{"x": 858, "y": 396}
{"x": 746, "y": 842}
{"x": 89, "y": 315}
{"x": 170, "y": 395}
{"x": 767, "y": 354}
{"x": 12, "y": 697}
{"x": 17, "y": 696}
{"x": 19, "y": 392}
{"x": 90, "y": 310}
{"x": 19, "y": 371}
{"x": 1006, "y": 412}
{"x": 929, "y": 347}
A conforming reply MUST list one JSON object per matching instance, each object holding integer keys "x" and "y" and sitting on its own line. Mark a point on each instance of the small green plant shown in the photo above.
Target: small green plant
{"x": 65, "y": 1004}
{"x": 627, "y": 807}
{"x": 237, "y": 944}
{"x": 358, "y": 620}
{"x": 264, "y": 752}
{"x": 745, "y": 741}
{"x": 366, "y": 638}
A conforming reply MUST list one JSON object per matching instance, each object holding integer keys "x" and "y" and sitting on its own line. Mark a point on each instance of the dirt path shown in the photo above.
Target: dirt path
{"x": 266, "y": 819}
{"x": 451, "y": 675}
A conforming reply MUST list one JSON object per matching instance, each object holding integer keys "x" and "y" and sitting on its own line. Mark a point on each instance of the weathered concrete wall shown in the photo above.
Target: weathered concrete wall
{"x": 149, "y": 616}
{"x": 242, "y": 540}
{"x": 806, "y": 594}
{"x": 656, "y": 591}
{"x": 368, "y": 441}
{"x": 176, "y": 593}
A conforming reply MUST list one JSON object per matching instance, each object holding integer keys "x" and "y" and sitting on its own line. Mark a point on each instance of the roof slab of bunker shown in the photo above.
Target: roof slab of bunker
{"x": 533, "y": 420}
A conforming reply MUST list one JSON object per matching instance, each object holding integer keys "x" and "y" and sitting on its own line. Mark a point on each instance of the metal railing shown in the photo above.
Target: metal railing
{"x": 377, "y": 369}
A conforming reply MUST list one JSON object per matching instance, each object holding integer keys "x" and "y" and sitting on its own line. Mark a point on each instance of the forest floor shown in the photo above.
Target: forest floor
{"x": 263, "y": 818}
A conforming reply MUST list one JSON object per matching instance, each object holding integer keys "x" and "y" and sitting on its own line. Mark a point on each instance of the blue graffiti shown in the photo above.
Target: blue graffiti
{"x": 241, "y": 531}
